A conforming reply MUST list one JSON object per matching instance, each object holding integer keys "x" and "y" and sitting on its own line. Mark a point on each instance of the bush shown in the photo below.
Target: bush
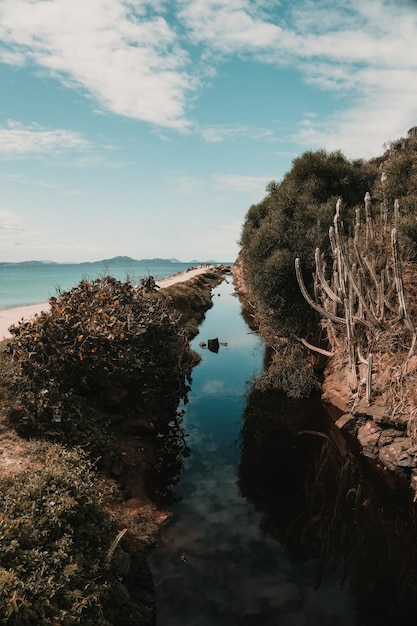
{"x": 102, "y": 344}
{"x": 54, "y": 535}
{"x": 291, "y": 221}
{"x": 290, "y": 372}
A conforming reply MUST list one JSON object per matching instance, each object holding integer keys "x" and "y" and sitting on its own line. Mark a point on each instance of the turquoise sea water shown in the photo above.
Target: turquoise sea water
{"x": 34, "y": 282}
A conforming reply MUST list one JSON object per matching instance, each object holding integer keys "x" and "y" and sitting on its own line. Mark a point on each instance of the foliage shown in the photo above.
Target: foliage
{"x": 291, "y": 221}
{"x": 288, "y": 372}
{"x": 148, "y": 284}
{"x": 361, "y": 298}
{"x": 54, "y": 535}
{"x": 399, "y": 165}
{"x": 103, "y": 343}
{"x": 191, "y": 300}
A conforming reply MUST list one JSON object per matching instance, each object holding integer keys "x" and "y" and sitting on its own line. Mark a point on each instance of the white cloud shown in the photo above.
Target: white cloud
{"x": 189, "y": 185}
{"x": 123, "y": 56}
{"x": 10, "y": 223}
{"x": 365, "y": 51}
{"x": 254, "y": 185}
{"x": 229, "y": 25}
{"x": 133, "y": 60}
{"x": 218, "y": 133}
{"x": 13, "y": 225}
{"x": 17, "y": 140}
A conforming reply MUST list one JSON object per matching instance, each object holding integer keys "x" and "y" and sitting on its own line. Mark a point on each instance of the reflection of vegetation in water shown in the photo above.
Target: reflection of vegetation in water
{"x": 167, "y": 462}
{"x": 320, "y": 501}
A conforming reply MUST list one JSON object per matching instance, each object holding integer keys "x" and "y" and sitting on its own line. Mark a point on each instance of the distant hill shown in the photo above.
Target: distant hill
{"x": 127, "y": 260}
{"x": 29, "y": 263}
{"x": 117, "y": 260}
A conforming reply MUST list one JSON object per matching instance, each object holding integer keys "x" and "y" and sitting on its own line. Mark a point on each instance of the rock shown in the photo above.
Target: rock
{"x": 213, "y": 345}
{"x": 336, "y": 392}
{"x": 347, "y": 419}
{"x": 397, "y": 454}
{"x": 368, "y": 436}
{"x": 379, "y": 414}
{"x": 388, "y": 435}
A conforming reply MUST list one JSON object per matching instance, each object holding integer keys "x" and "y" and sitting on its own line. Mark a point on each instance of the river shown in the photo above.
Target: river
{"x": 277, "y": 520}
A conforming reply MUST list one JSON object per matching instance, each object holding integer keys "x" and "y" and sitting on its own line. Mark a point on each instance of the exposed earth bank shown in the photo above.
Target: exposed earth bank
{"x": 383, "y": 424}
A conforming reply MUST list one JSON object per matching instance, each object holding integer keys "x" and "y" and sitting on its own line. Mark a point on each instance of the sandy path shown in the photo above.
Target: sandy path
{"x": 8, "y": 317}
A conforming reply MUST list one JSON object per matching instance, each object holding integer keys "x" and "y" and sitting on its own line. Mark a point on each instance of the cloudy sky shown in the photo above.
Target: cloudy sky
{"x": 148, "y": 127}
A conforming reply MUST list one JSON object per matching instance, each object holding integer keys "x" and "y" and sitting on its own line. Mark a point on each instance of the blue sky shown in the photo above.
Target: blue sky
{"x": 148, "y": 127}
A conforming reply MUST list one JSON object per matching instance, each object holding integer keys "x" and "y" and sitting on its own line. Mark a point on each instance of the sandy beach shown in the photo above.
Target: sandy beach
{"x": 8, "y": 317}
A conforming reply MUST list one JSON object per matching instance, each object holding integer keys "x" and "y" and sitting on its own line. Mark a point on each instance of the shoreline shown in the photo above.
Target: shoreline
{"x": 10, "y": 317}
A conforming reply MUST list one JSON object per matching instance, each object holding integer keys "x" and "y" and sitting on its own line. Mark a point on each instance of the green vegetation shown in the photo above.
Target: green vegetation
{"x": 103, "y": 343}
{"x": 54, "y": 535}
{"x": 292, "y": 221}
{"x": 191, "y": 299}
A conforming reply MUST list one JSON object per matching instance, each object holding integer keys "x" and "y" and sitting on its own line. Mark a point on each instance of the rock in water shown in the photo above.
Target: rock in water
{"x": 213, "y": 345}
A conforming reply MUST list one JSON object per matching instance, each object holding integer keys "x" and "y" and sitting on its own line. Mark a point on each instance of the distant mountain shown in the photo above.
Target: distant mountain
{"x": 29, "y": 263}
{"x": 127, "y": 260}
{"x": 117, "y": 260}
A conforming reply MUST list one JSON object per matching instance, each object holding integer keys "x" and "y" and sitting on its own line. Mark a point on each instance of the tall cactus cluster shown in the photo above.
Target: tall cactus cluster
{"x": 359, "y": 293}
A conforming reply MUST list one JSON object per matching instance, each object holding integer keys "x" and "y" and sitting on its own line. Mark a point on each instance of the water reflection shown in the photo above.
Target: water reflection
{"x": 279, "y": 522}
{"x": 214, "y": 566}
{"x": 323, "y": 502}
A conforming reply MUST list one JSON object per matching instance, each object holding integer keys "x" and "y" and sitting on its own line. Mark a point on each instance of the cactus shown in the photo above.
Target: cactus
{"x": 361, "y": 291}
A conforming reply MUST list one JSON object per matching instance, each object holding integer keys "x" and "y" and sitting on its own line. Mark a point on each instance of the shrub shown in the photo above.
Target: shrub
{"x": 103, "y": 343}
{"x": 290, "y": 372}
{"x": 291, "y": 221}
{"x": 54, "y": 535}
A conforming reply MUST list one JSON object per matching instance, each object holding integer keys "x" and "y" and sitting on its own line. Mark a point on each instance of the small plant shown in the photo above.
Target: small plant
{"x": 289, "y": 372}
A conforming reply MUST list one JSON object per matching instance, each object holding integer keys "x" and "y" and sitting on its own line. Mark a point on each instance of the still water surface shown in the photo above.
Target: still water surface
{"x": 34, "y": 282}
{"x": 226, "y": 559}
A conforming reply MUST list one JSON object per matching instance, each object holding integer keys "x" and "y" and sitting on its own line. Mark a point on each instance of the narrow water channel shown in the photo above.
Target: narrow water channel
{"x": 276, "y": 523}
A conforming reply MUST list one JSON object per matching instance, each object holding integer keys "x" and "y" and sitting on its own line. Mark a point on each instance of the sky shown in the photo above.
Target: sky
{"x": 148, "y": 128}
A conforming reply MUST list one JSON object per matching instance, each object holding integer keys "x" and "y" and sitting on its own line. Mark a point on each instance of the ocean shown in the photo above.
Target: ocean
{"x": 33, "y": 282}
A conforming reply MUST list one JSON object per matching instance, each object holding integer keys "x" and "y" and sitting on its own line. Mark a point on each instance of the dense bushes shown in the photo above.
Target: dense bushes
{"x": 54, "y": 537}
{"x": 291, "y": 221}
{"x": 399, "y": 165}
{"x": 102, "y": 346}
